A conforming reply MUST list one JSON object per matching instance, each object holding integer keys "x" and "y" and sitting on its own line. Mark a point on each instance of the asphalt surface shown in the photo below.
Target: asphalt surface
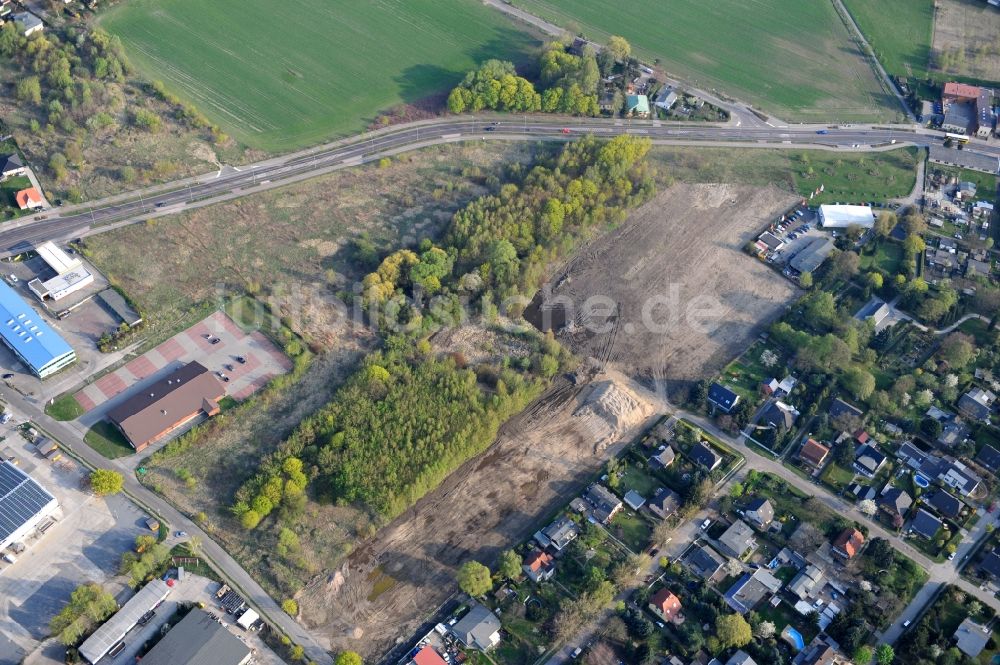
{"x": 64, "y": 223}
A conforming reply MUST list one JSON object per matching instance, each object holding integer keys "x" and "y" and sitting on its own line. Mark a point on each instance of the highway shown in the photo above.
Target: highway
{"x": 64, "y": 223}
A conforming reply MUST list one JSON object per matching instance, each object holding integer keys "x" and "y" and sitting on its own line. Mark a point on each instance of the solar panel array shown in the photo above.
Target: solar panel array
{"x": 21, "y": 498}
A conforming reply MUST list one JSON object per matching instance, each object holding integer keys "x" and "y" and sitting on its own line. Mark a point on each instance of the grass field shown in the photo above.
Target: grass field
{"x": 282, "y": 76}
{"x": 845, "y": 177}
{"x": 788, "y": 57}
{"x": 107, "y": 440}
{"x": 902, "y": 43}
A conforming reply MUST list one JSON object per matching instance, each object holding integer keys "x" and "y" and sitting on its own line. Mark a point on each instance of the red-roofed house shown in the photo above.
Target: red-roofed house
{"x": 665, "y": 604}
{"x": 28, "y": 199}
{"x": 813, "y": 452}
{"x": 428, "y": 656}
{"x": 848, "y": 543}
{"x": 539, "y": 566}
{"x": 959, "y": 92}
{"x": 861, "y": 436}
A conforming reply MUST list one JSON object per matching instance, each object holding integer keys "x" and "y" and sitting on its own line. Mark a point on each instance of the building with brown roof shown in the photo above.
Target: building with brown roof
{"x": 665, "y": 604}
{"x": 848, "y": 543}
{"x": 173, "y": 401}
{"x": 813, "y": 452}
{"x": 539, "y": 566}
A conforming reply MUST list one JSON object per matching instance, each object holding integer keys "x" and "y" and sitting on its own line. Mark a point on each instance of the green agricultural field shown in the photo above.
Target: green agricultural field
{"x": 789, "y": 57}
{"x": 279, "y": 76}
{"x": 899, "y": 31}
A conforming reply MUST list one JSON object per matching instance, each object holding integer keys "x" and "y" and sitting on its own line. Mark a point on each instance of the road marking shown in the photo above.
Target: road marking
{"x": 451, "y": 136}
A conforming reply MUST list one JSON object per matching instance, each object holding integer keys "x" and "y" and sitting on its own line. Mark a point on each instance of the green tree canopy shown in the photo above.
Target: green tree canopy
{"x": 105, "y": 482}
{"x": 474, "y": 578}
{"x": 733, "y": 631}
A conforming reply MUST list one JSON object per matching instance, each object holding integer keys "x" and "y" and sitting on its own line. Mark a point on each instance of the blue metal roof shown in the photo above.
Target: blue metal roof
{"x": 26, "y": 332}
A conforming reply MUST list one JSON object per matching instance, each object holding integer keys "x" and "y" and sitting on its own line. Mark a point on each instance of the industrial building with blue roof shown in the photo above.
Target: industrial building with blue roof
{"x": 33, "y": 341}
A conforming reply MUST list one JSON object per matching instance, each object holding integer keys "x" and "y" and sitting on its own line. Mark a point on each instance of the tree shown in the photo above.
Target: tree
{"x": 845, "y": 265}
{"x": 29, "y": 89}
{"x": 105, "y": 482}
{"x": 915, "y": 224}
{"x": 859, "y": 382}
{"x": 875, "y": 280}
{"x": 868, "y": 507}
{"x": 913, "y": 245}
{"x": 957, "y": 349}
{"x": 765, "y": 630}
{"x": 290, "y": 606}
{"x": 885, "y": 654}
{"x": 348, "y": 658}
{"x": 884, "y": 224}
{"x": 733, "y": 631}
{"x": 619, "y": 48}
{"x": 510, "y": 565}
{"x": 863, "y": 655}
{"x": 474, "y": 578}
{"x": 806, "y": 280}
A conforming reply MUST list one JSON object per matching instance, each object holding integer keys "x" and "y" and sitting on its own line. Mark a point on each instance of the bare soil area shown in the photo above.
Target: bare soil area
{"x": 388, "y": 587}
{"x": 671, "y": 294}
{"x": 967, "y": 39}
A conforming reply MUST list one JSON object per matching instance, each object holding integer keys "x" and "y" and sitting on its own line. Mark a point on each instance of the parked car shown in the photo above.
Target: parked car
{"x": 8, "y": 376}
{"x": 707, "y": 523}
{"x": 241, "y": 360}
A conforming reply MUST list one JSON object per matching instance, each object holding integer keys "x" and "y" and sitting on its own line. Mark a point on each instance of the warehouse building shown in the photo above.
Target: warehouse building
{"x": 33, "y": 341}
{"x": 24, "y": 505}
{"x": 198, "y": 640}
{"x": 842, "y": 216}
{"x": 70, "y": 276}
{"x": 116, "y": 628}
{"x": 173, "y": 401}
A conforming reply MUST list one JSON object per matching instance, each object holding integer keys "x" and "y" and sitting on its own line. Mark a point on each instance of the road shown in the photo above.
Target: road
{"x": 65, "y": 223}
{"x": 238, "y": 578}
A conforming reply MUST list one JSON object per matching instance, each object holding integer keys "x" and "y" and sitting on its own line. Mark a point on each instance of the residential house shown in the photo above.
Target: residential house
{"x": 29, "y": 199}
{"x": 665, "y": 604}
{"x": 971, "y": 637}
{"x": 819, "y": 653}
{"x": 769, "y": 387}
{"x": 663, "y": 458}
{"x": 634, "y": 500}
{"x": 741, "y": 657}
{"x": 665, "y": 98}
{"x": 779, "y": 388}
{"x": 861, "y": 436}
{"x": 11, "y": 165}
{"x": 910, "y": 455}
{"x": 989, "y": 458}
{"x": 664, "y": 503}
{"x": 749, "y": 590}
{"x": 539, "y": 566}
{"x": 808, "y": 582}
{"x": 868, "y": 460}
{"x": 27, "y": 23}
{"x": 703, "y": 455}
{"x": 953, "y": 473}
{"x": 976, "y": 268}
{"x": 841, "y": 408}
{"x": 705, "y": 562}
{"x": 895, "y": 502}
{"x": 991, "y": 565}
{"x": 779, "y": 416}
{"x": 875, "y": 310}
{"x": 813, "y": 453}
{"x": 848, "y": 543}
{"x": 862, "y": 492}
{"x": 478, "y": 629}
{"x": 945, "y": 504}
{"x": 925, "y": 525}
{"x": 637, "y": 106}
{"x": 559, "y": 534}
{"x": 738, "y": 539}
{"x": 966, "y": 190}
{"x": 760, "y": 512}
{"x": 427, "y": 656}
{"x": 953, "y": 432}
{"x": 604, "y": 504}
{"x": 977, "y": 403}
{"x": 722, "y": 398}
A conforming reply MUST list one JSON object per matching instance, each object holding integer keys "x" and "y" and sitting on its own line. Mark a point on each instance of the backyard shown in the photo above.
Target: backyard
{"x": 282, "y": 78}
{"x": 804, "y": 65}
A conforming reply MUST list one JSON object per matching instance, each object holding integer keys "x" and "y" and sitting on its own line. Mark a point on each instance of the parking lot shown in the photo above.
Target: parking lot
{"x": 216, "y": 342}
{"x": 85, "y": 544}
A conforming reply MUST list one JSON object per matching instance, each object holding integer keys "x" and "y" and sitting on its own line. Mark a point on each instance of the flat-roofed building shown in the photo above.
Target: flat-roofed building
{"x": 24, "y": 504}
{"x": 156, "y": 410}
{"x": 33, "y": 341}
{"x": 198, "y": 640}
{"x": 116, "y": 628}
{"x": 842, "y": 216}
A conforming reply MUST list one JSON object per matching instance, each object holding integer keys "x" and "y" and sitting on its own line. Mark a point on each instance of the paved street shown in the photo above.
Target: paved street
{"x": 238, "y": 578}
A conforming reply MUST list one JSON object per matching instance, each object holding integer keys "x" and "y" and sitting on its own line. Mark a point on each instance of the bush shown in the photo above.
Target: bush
{"x": 290, "y": 607}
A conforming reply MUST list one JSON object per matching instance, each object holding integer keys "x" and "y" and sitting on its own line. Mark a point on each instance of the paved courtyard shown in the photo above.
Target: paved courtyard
{"x": 264, "y": 361}
{"x": 85, "y": 544}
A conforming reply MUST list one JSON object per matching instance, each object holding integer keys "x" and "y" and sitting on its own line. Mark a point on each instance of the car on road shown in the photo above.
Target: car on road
{"x": 822, "y": 131}
{"x": 180, "y": 534}
{"x": 906, "y": 624}
{"x": 491, "y": 129}
{"x": 565, "y": 130}
{"x": 8, "y": 376}
{"x": 951, "y": 557}
{"x": 146, "y": 618}
{"x": 5, "y": 418}
{"x": 13, "y": 278}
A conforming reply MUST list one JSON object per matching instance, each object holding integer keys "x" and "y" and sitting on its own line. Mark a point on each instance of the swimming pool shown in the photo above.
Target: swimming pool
{"x": 794, "y": 638}
{"x": 920, "y": 481}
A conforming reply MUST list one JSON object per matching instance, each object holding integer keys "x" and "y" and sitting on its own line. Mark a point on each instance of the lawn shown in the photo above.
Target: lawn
{"x": 107, "y": 440}
{"x": 845, "y": 177}
{"x": 803, "y": 65}
{"x": 8, "y": 188}
{"x": 887, "y": 257}
{"x": 279, "y": 77}
{"x": 64, "y": 407}
{"x": 902, "y": 44}
{"x": 746, "y": 374}
{"x": 986, "y": 183}
{"x": 634, "y": 478}
{"x": 630, "y": 528}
